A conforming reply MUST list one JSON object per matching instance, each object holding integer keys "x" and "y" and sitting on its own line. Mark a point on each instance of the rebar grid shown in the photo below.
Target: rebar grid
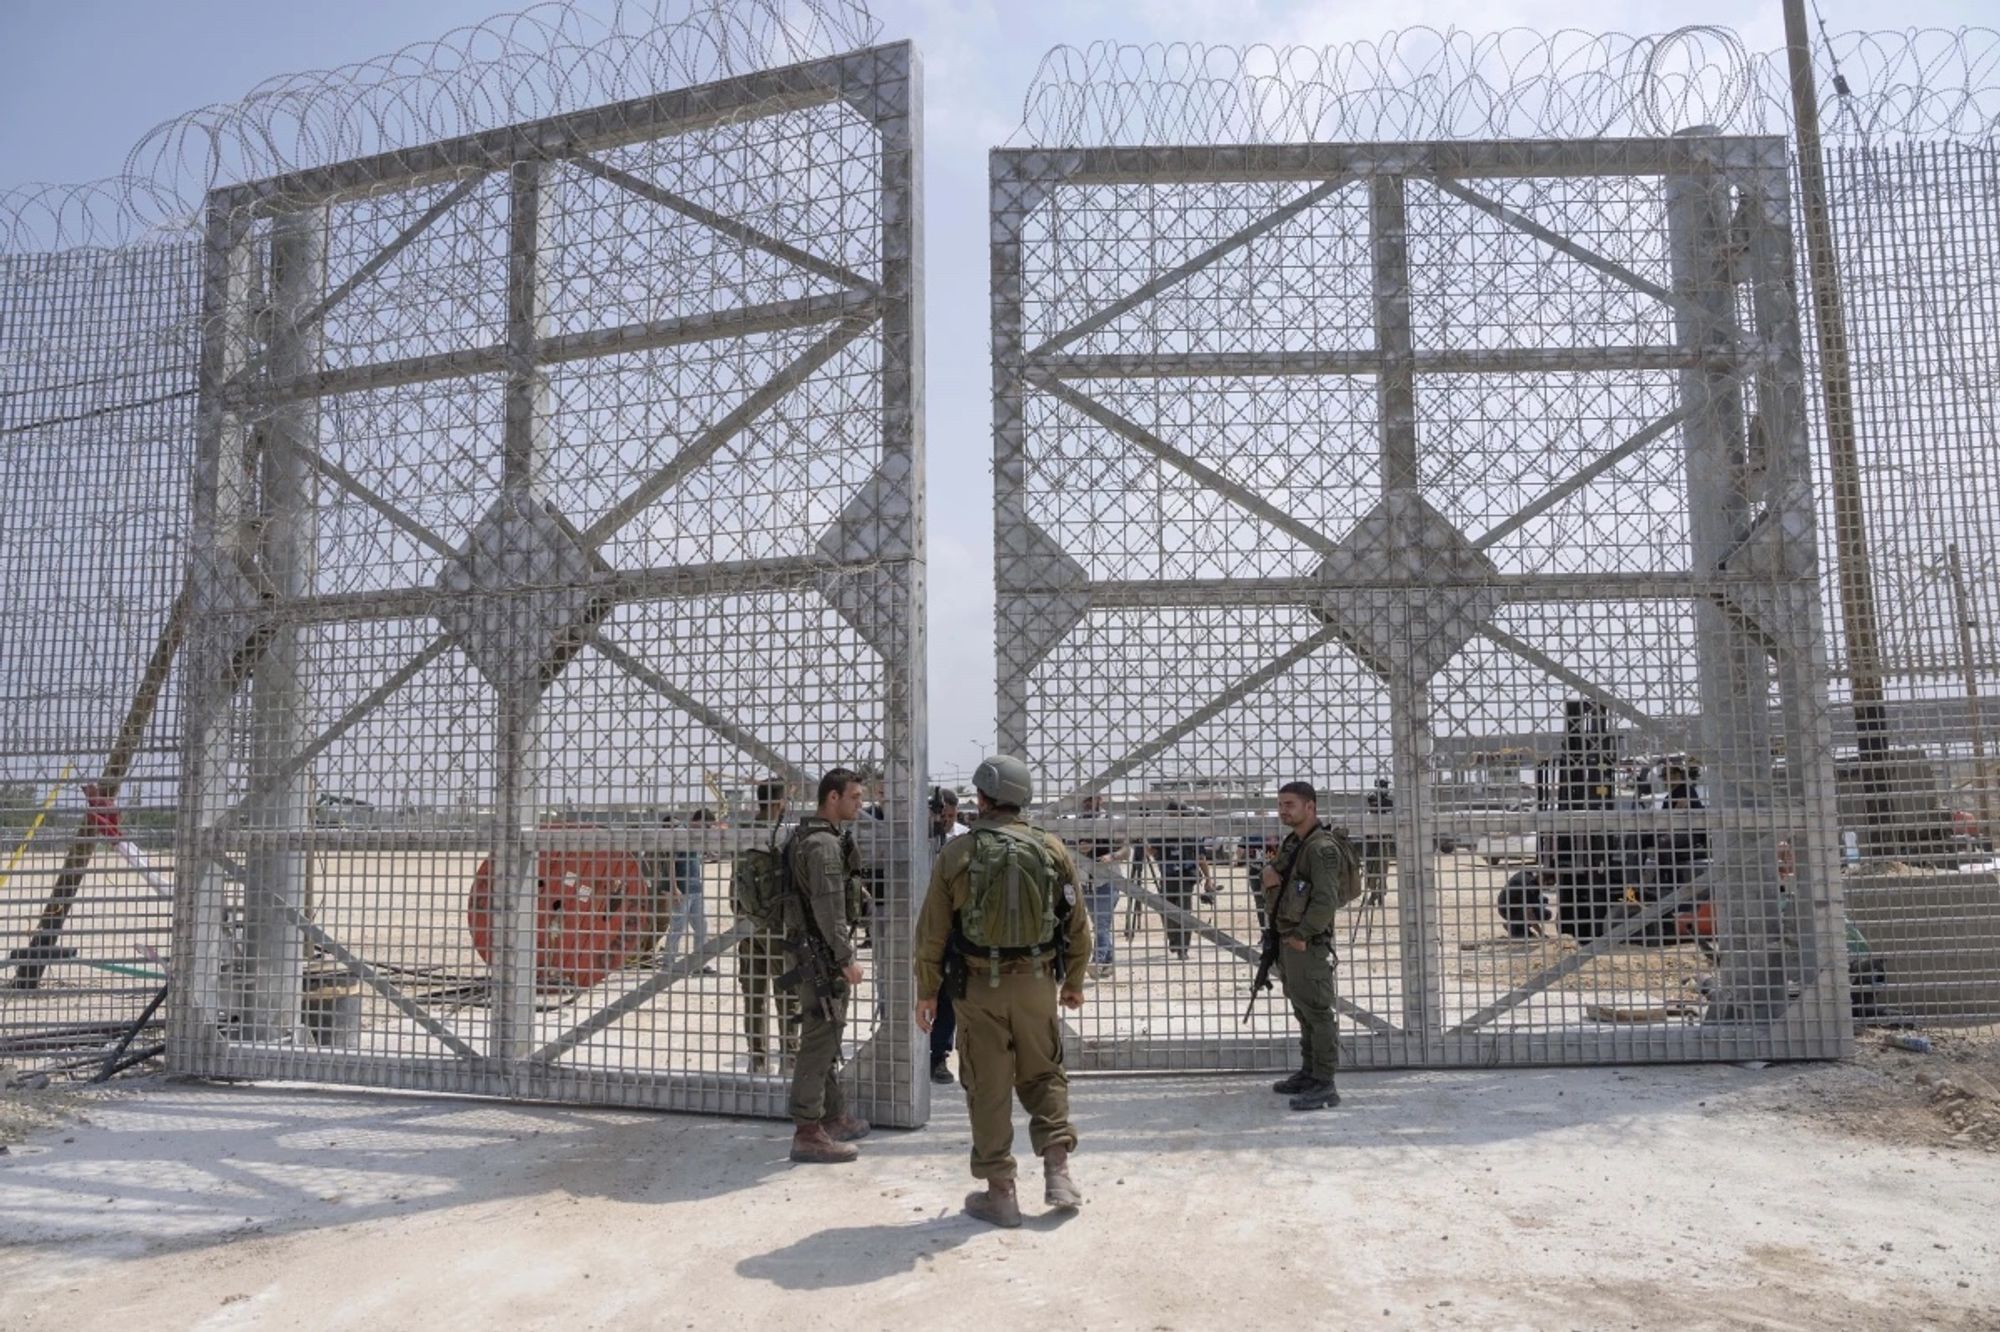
{"x": 555, "y": 487}
{"x": 1405, "y": 468}
{"x": 1911, "y": 116}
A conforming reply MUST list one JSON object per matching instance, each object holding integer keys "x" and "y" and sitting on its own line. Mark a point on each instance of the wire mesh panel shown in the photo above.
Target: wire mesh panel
{"x": 558, "y": 487}
{"x": 96, "y": 399}
{"x": 1917, "y": 231}
{"x": 1900, "y": 402}
{"x": 1469, "y": 482}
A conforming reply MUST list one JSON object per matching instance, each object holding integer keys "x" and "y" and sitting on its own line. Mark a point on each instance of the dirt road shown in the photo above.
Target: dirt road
{"x": 1703, "y": 1197}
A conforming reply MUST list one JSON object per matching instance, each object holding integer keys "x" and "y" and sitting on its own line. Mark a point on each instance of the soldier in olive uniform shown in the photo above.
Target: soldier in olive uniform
{"x": 1009, "y": 1035}
{"x": 1314, "y": 875}
{"x": 825, "y": 868}
{"x": 760, "y": 960}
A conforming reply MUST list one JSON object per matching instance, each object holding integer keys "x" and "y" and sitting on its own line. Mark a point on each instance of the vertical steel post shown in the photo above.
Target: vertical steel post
{"x": 275, "y": 876}
{"x": 1010, "y": 199}
{"x": 1733, "y": 670}
{"x": 217, "y": 634}
{"x": 1418, "y": 910}
{"x": 1816, "y": 926}
{"x": 517, "y": 765}
{"x": 893, "y": 1080}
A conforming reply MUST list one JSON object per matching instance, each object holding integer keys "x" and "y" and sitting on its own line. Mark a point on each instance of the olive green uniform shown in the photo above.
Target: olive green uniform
{"x": 760, "y": 960}
{"x": 1009, "y": 1035}
{"x": 1302, "y": 908}
{"x": 825, "y": 868}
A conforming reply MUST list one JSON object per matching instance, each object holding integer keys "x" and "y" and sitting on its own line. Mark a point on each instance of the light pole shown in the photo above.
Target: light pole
{"x": 1850, "y": 527}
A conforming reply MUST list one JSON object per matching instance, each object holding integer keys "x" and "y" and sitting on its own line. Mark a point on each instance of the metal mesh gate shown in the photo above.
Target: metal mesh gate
{"x": 557, "y": 487}
{"x": 1469, "y": 481}
{"x": 96, "y": 408}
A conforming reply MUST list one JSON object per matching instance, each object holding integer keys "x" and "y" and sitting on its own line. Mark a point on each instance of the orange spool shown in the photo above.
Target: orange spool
{"x": 591, "y": 910}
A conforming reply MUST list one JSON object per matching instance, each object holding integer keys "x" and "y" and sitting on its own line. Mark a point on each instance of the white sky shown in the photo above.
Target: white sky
{"x": 81, "y": 80}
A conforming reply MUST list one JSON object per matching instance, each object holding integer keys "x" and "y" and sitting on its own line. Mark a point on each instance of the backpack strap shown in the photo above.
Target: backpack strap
{"x": 1299, "y": 851}
{"x": 790, "y": 869}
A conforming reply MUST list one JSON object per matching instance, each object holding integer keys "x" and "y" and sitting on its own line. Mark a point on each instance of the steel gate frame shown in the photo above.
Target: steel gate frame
{"x": 1753, "y": 580}
{"x": 250, "y": 596}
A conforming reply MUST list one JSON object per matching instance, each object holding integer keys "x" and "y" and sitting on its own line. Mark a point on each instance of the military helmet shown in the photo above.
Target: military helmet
{"x": 1004, "y": 780}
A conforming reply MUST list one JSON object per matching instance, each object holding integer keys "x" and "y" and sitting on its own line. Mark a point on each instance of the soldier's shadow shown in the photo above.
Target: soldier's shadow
{"x": 862, "y": 1255}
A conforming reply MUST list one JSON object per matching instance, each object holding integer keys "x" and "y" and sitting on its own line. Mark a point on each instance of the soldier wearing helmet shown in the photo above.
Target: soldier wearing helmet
{"x": 999, "y": 923}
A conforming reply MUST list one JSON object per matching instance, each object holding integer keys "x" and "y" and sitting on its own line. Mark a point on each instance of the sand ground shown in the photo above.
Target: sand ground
{"x": 1855, "y": 1195}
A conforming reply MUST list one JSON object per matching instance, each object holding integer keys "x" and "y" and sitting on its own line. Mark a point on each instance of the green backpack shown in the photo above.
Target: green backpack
{"x": 1350, "y": 868}
{"x": 760, "y": 883}
{"x": 1015, "y": 893}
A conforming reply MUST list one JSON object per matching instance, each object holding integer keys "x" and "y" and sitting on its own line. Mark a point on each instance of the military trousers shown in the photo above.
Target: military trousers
{"x": 1308, "y": 977}
{"x": 760, "y": 960}
{"x": 1010, "y": 1044}
{"x": 816, "y": 1090}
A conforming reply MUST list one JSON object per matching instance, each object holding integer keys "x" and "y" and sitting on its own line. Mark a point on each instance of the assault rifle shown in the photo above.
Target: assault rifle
{"x": 814, "y": 974}
{"x": 1268, "y": 946}
{"x": 1267, "y": 957}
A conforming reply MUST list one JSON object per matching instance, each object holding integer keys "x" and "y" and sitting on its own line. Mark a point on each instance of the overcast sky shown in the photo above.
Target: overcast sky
{"x": 80, "y": 80}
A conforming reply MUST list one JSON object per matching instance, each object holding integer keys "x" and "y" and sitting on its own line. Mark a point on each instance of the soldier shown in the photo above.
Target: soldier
{"x": 1000, "y": 924}
{"x": 1314, "y": 875}
{"x": 825, "y": 869}
{"x": 760, "y": 959}
{"x": 1378, "y": 845}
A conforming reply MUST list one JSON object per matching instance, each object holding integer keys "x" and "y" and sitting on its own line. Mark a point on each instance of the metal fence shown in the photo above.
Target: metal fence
{"x": 749, "y": 618}
{"x": 97, "y": 354}
{"x": 1387, "y": 461}
{"x": 1196, "y": 536}
{"x": 1917, "y": 229}
{"x": 543, "y": 474}
{"x": 555, "y": 488}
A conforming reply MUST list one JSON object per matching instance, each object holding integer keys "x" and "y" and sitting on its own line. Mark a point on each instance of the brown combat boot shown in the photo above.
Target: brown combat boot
{"x": 844, "y": 1127}
{"x": 812, "y": 1146}
{"x": 1058, "y": 1189}
{"x": 997, "y": 1206}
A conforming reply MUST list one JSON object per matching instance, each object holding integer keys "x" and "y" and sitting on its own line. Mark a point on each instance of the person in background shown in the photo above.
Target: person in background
{"x": 1377, "y": 843}
{"x": 690, "y": 905}
{"x": 1182, "y": 866}
{"x": 760, "y": 958}
{"x": 1103, "y": 857}
{"x": 944, "y": 827}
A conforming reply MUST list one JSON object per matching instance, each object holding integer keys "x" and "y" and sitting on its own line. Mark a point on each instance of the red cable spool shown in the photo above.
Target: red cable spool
{"x": 591, "y": 913}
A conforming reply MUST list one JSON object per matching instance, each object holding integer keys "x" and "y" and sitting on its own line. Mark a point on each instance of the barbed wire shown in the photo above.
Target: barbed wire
{"x": 1424, "y": 83}
{"x": 541, "y": 61}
